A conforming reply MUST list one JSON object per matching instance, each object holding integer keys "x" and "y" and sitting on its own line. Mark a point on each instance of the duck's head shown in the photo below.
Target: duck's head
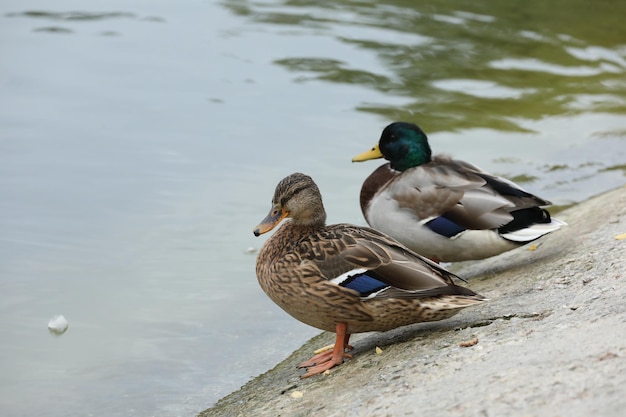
{"x": 403, "y": 144}
{"x": 298, "y": 198}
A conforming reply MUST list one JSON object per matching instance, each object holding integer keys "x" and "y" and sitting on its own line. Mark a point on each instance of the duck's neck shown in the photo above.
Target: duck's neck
{"x": 418, "y": 154}
{"x": 373, "y": 183}
{"x": 284, "y": 240}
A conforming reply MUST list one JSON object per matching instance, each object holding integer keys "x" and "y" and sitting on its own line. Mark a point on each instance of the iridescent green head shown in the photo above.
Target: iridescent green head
{"x": 404, "y": 145}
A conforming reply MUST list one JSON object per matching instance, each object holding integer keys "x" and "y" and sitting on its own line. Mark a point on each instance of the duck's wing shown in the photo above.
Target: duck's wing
{"x": 369, "y": 262}
{"x": 454, "y": 195}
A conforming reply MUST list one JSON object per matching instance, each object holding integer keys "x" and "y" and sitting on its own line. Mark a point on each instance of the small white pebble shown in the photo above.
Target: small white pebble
{"x": 297, "y": 394}
{"x": 58, "y": 325}
{"x": 251, "y": 249}
{"x": 324, "y": 349}
{"x": 378, "y": 350}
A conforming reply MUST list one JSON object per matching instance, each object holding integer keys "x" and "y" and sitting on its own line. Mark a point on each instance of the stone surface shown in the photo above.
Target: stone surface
{"x": 550, "y": 342}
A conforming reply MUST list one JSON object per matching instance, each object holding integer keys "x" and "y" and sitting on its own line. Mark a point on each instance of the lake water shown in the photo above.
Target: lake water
{"x": 140, "y": 142}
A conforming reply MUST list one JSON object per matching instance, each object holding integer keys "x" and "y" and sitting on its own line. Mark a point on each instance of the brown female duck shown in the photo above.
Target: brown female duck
{"x": 343, "y": 278}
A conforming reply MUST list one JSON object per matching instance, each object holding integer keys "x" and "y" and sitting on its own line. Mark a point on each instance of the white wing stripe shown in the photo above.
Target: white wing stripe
{"x": 341, "y": 278}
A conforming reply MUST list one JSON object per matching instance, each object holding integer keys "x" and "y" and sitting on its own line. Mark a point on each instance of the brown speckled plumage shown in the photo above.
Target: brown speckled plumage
{"x": 296, "y": 266}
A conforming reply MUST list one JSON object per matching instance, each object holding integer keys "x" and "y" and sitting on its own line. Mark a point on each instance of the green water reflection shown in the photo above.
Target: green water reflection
{"x": 465, "y": 64}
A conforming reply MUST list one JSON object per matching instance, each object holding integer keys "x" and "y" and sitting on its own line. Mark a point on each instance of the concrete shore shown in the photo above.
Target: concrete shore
{"x": 551, "y": 341}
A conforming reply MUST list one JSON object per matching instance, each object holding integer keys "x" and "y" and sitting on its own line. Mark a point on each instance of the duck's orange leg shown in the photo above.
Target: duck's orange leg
{"x": 324, "y": 357}
{"x": 326, "y": 360}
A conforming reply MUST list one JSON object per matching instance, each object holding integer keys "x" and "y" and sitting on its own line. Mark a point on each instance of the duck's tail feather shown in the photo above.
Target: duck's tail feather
{"x": 534, "y": 231}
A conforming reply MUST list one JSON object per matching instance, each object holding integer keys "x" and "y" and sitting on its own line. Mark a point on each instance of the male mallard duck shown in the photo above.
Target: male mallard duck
{"x": 442, "y": 208}
{"x": 343, "y": 278}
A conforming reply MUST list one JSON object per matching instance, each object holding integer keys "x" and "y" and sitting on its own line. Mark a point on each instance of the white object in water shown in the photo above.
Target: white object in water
{"x": 58, "y": 325}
